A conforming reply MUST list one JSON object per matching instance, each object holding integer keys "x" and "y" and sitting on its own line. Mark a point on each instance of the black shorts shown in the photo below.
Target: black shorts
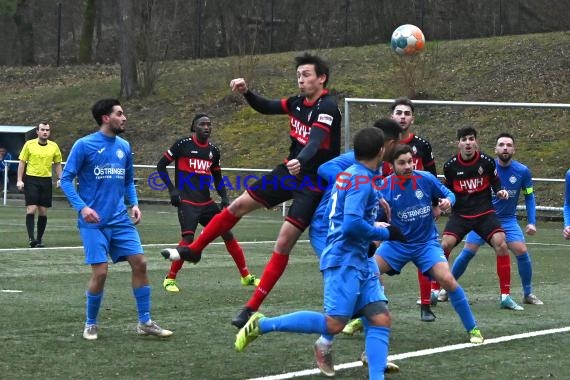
{"x": 279, "y": 186}
{"x": 485, "y": 226}
{"x": 37, "y": 191}
{"x": 189, "y": 215}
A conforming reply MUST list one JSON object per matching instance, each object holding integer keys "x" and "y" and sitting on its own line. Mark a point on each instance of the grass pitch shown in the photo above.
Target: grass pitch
{"x": 42, "y": 314}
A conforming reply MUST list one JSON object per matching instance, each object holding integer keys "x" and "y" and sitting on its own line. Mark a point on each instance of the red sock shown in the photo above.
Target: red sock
{"x": 271, "y": 274}
{"x": 220, "y": 224}
{"x": 236, "y": 252}
{"x": 425, "y": 288}
{"x": 434, "y": 284}
{"x": 174, "y": 268}
{"x": 504, "y": 273}
{"x": 176, "y": 265}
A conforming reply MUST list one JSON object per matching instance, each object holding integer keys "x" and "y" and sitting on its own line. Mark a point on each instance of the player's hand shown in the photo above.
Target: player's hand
{"x": 89, "y": 215}
{"x": 225, "y": 202}
{"x": 566, "y": 233}
{"x": 503, "y": 194}
{"x": 530, "y": 229}
{"x": 238, "y": 85}
{"x": 58, "y": 184}
{"x": 175, "y": 199}
{"x": 20, "y": 185}
{"x": 444, "y": 204}
{"x": 136, "y": 214}
{"x": 396, "y": 234}
{"x": 294, "y": 166}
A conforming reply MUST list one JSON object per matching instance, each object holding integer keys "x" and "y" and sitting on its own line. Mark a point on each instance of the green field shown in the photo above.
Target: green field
{"x": 41, "y": 326}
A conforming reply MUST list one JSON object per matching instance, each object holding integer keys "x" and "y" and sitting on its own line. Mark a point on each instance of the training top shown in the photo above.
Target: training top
{"x": 352, "y": 211}
{"x": 194, "y": 165}
{"x": 323, "y": 113}
{"x": 411, "y": 202}
{"x": 40, "y": 158}
{"x": 471, "y": 182}
{"x": 515, "y": 178}
{"x": 103, "y": 166}
{"x": 422, "y": 156}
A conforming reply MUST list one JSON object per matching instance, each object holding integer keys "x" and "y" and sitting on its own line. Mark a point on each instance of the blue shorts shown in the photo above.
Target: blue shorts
{"x": 318, "y": 237}
{"x": 513, "y": 233}
{"x": 424, "y": 256}
{"x": 117, "y": 242}
{"x": 347, "y": 290}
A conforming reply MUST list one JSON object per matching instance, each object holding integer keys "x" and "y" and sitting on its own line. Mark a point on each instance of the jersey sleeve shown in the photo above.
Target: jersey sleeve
{"x": 57, "y": 158}
{"x": 330, "y": 169}
{"x": 494, "y": 179}
{"x": 441, "y": 191}
{"x": 567, "y": 200}
{"x": 529, "y": 198}
{"x": 72, "y": 166}
{"x": 130, "y": 190}
{"x": 25, "y": 153}
{"x": 428, "y": 160}
{"x": 327, "y": 111}
{"x": 267, "y": 106}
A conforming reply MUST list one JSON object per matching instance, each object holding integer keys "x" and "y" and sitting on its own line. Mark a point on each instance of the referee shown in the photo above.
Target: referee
{"x": 36, "y": 160}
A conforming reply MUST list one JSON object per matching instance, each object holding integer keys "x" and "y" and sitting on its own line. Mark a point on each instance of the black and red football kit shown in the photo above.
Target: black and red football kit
{"x": 422, "y": 156}
{"x": 471, "y": 182}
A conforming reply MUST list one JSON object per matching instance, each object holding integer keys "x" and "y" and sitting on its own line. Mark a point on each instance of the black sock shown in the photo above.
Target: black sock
{"x": 42, "y": 222}
{"x": 30, "y": 225}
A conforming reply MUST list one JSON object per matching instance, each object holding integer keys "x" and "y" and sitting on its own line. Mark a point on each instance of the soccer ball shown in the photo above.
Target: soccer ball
{"x": 408, "y": 40}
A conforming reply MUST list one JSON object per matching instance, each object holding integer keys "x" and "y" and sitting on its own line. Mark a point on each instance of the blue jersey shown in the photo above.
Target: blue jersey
{"x": 352, "y": 210}
{"x": 515, "y": 178}
{"x": 104, "y": 168}
{"x": 411, "y": 204}
{"x": 567, "y": 201}
{"x": 329, "y": 170}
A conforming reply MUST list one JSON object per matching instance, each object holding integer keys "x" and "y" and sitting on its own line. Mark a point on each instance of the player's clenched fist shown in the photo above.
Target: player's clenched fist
{"x": 238, "y": 85}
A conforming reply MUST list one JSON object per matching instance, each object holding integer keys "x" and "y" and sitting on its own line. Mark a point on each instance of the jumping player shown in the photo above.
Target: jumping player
{"x": 314, "y": 124}
{"x": 197, "y": 164}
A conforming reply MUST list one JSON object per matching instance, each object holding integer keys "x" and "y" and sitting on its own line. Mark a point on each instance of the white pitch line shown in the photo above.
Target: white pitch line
{"x": 425, "y": 352}
{"x": 10, "y": 291}
{"x": 144, "y": 245}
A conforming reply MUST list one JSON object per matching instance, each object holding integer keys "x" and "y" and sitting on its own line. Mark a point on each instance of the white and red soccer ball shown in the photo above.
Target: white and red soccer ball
{"x": 408, "y": 40}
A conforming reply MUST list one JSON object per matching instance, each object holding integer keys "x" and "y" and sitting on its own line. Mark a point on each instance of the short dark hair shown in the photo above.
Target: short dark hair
{"x": 321, "y": 66}
{"x": 195, "y": 119}
{"x": 390, "y": 128}
{"x": 367, "y": 143}
{"x": 103, "y": 107}
{"x": 505, "y": 134}
{"x": 466, "y": 131}
{"x": 399, "y": 150}
{"x": 402, "y": 101}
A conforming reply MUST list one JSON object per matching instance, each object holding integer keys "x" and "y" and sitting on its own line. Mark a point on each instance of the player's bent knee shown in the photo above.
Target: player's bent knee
{"x": 377, "y": 314}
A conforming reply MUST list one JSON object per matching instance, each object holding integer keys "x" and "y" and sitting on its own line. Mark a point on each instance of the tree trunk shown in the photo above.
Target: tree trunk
{"x": 127, "y": 52}
{"x": 86, "y": 42}
{"x": 25, "y": 35}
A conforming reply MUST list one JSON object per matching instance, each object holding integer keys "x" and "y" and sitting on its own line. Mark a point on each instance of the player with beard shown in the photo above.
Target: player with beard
{"x": 515, "y": 178}
{"x": 197, "y": 165}
{"x": 103, "y": 164}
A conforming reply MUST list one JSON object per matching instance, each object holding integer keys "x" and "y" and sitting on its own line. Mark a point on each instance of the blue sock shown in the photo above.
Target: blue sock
{"x": 304, "y": 322}
{"x": 461, "y": 305}
{"x": 525, "y": 272}
{"x": 142, "y": 296}
{"x": 376, "y": 341}
{"x": 461, "y": 262}
{"x": 92, "y": 305}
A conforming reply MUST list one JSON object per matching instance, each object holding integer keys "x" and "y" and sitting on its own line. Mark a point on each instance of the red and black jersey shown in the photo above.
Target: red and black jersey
{"x": 322, "y": 113}
{"x": 471, "y": 182}
{"x": 194, "y": 164}
{"x": 422, "y": 156}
